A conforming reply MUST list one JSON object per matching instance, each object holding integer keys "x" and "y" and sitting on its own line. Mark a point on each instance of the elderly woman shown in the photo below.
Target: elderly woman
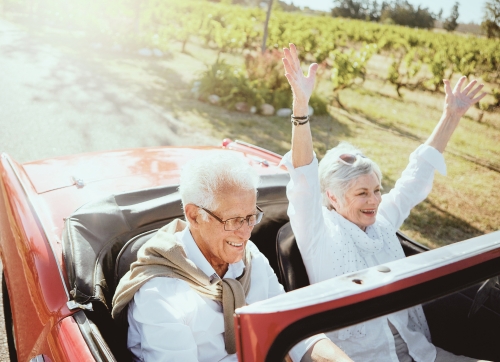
{"x": 342, "y": 223}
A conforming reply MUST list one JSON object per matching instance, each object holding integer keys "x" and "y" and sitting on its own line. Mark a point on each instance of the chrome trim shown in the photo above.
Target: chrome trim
{"x": 262, "y": 161}
{"x": 78, "y": 182}
{"x": 74, "y": 305}
{"x": 7, "y": 158}
{"x": 243, "y": 143}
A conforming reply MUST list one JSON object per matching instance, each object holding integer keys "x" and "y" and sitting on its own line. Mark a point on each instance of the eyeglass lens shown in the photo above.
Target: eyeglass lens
{"x": 237, "y": 222}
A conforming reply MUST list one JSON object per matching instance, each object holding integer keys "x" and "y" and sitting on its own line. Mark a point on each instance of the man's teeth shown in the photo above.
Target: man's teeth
{"x": 234, "y": 244}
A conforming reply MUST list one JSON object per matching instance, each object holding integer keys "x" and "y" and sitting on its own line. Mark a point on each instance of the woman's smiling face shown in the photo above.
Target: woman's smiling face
{"x": 361, "y": 201}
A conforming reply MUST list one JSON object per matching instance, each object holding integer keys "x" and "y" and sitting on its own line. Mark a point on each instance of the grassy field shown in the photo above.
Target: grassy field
{"x": 386, "y": 127}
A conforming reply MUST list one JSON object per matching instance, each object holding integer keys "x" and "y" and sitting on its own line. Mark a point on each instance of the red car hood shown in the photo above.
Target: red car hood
{"x": 145, "y": 167}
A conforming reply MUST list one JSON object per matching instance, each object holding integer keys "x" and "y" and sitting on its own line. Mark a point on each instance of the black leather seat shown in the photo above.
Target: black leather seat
{"x": 128, "y": 254}
{"x": 292, "y": 271}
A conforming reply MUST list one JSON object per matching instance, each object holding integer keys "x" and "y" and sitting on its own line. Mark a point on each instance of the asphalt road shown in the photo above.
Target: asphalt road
{"x": 54, "y": 103}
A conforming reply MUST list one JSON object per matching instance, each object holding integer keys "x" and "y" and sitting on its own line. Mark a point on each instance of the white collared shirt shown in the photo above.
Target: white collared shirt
{"x": 325, "y": 251}
{"x": 168, "y": 321}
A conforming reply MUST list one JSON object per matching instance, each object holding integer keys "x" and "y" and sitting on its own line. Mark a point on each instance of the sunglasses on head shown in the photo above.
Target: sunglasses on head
{"x": 350, "y": 159}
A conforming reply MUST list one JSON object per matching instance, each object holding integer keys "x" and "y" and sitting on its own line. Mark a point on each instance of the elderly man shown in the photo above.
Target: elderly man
{"x": 188, "y": 279}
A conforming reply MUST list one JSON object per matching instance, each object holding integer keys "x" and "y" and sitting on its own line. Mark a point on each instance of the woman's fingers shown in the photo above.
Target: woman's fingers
{"x": 302, "y": 86}
{"x": 295, "y": 55}
{"x": 288, "y": 68}
{"x": 469, "y": 87}
{"x": 469, "y": 91}
{"x": 447, "y": 87}
{"x": 289, "y": 57}
{"x": 458, "y": 86}
{"x": 475, "y": 91}
{"x": 313, "y": 68}
{"x": 478, "y": 98}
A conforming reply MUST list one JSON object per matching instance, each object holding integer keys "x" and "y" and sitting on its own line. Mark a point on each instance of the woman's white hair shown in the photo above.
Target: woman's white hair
{"x": 337, "y": 177}
{"x": 205, "y": 179}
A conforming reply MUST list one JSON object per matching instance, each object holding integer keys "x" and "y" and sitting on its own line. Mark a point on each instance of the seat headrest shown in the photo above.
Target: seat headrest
{"x": 128, "y": 254}
{"x": 292, "y": 270}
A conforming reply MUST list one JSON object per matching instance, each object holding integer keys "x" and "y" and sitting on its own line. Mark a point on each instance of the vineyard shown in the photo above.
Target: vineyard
{"x": 418, "y": 58}
{"x": 379, "y": 88}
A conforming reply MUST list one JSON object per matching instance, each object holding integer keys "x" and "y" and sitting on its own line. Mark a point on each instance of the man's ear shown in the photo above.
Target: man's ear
{"x": 192, "y": 215}
{"x": 333, "y": 200}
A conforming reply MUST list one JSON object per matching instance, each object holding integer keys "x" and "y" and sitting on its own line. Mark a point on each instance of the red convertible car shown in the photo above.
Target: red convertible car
{"x": 71, "y": 226}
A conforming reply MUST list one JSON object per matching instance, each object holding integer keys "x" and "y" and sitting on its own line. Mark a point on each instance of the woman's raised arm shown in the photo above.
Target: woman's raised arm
{"x": 456, "y": 103}
{"x": 302, "y": 88}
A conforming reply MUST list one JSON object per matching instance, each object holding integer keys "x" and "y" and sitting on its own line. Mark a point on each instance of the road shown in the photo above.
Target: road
{"x": 56, "y": 102}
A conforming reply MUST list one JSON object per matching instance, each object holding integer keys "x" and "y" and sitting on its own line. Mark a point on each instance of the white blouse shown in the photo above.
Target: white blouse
{"x": 168, "y": 321}
{"x": 331, "y": 245}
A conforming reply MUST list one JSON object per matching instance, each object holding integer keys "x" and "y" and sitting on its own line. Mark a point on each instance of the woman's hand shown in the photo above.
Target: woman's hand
{"x": 458, "y": 101}
{"x": 302, "y": 86}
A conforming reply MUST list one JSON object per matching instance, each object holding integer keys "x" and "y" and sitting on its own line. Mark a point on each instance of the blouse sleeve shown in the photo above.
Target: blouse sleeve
{"x": 413, "y": 186}
{"x": 305, "y": 206}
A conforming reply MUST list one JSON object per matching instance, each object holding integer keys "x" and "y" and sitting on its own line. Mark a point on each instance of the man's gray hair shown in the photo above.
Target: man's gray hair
{"x": 204, "y": 179}
{"x": 337, "y": 177}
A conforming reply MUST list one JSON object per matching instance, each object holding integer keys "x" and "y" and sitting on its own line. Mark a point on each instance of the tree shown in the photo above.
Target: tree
{"x": 351, "y": 9}
{"x": 266, "y": 26}
{"x": 403, "y": 13}
{"x": 491, "y": 23}
{"x": 451, "y": 23}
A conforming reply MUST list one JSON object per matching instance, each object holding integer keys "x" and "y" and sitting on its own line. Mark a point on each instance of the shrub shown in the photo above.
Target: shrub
{"x": 262, "y": 81}
{"x": 266, "y": 71}
{"x": 230, "y": 84}
{"x": 348, "y": 66}
{"x": 496, "y": 95}
{"x": 319, "y": 105}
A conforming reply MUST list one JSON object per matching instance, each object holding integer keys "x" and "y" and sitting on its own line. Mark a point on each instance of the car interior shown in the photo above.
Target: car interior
{"x": 101, "y": 240}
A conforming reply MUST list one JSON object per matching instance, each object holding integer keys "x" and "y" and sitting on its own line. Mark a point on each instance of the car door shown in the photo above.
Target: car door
{"x": 445, "y": 280}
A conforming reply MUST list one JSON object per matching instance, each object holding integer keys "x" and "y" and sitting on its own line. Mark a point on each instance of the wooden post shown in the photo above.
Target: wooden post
{"x": 266, "y": 25}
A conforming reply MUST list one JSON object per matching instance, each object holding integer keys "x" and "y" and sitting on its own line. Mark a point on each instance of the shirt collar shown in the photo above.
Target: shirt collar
{"x": 194, "y": 254}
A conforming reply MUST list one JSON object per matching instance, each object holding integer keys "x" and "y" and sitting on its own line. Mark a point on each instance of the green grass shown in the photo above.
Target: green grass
{"x": 461, "y": 205}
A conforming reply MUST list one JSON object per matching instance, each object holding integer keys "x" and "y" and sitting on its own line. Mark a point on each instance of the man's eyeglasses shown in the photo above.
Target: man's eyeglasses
{"x": 237, "y": 222}
{"x": 349, "y": 159}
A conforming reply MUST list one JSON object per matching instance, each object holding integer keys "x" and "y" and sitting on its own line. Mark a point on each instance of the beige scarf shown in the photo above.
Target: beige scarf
{"x": 163, "y": 256}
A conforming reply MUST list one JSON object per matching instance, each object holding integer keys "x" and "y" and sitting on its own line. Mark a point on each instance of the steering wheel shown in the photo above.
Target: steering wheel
{"x": 483, "y": 293}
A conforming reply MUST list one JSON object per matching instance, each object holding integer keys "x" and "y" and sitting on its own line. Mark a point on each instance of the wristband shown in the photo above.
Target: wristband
{"x": 296, "y": 120}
